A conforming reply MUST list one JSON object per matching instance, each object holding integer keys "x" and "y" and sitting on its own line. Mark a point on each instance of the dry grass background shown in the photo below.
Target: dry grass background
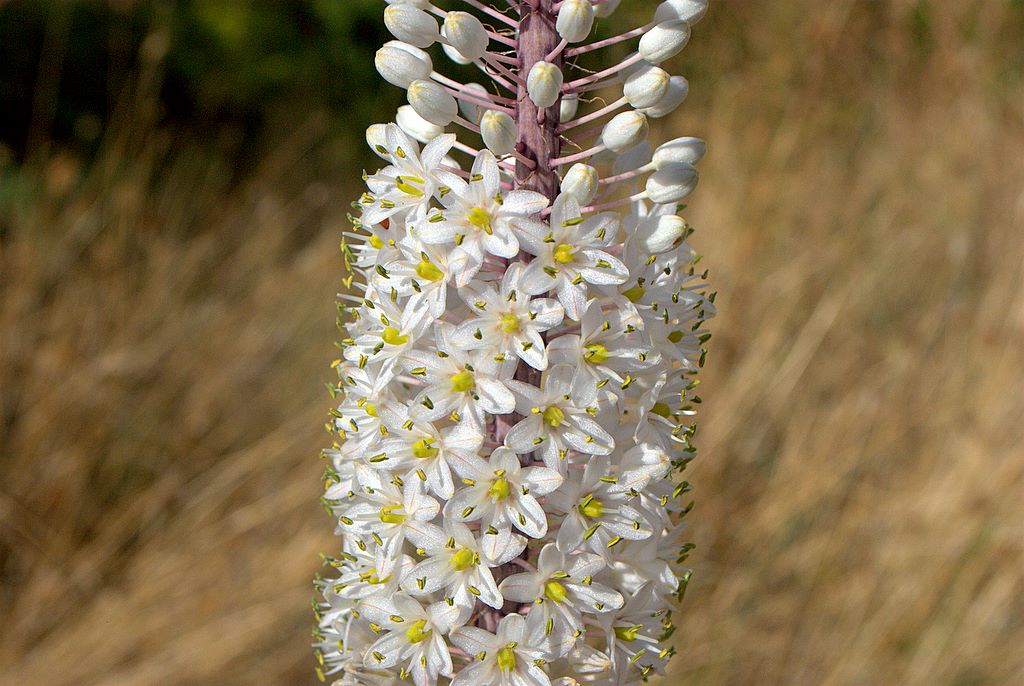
{"x": 860, "y": 517}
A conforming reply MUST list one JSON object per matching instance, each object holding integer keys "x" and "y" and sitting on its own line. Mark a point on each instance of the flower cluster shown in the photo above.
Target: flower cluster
{"x": 517, "y": 381}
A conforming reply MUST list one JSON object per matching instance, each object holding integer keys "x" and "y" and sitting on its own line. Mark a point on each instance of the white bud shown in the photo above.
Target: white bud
{"x": 634, "y": 158}
{"x": 466, "y": 34}
{"x": 432, "y": 102}
{"x": 567, "y": 108}
{"x": 470, "y": 110}
{"x": 543, "y": 84}
{"x": 377, "y": 140}
{"x": 411, "y": 25}
{"x": 671, "y": 183}
{"x": 665, "y": 40}
{"x": 416, "y": 126}
{"x": 454, "y": 55}
{"x": 690, "y": 11}
{"x": 575, "y": 19}
{"x": 678, "y": 89}
{"x": 645, "y": 86}
{"x": 660, "y": 234}
{"x": 606, "y": 8}
{"x": 581, "y": 183}
{"x": 624, "y": 131}
{"x": 400, "y": 63}
{"x": 498, "y": 130}
{"x": 679, "y": 150}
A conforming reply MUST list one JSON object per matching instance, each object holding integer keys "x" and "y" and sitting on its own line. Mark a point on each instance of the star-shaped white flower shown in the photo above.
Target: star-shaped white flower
{"x": 507, "y": 320}
{"x": 478, "y": 218}
{"x": 501, "y": 493}
{"x": 412, "y": 636}
{"x": 554, "y": 422}
{"x": 570, "y": 251}
{"x": 506, "y": 658}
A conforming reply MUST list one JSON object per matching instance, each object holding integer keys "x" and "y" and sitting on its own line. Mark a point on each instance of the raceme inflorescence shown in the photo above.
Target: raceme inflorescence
{"x": 522, "y": 329}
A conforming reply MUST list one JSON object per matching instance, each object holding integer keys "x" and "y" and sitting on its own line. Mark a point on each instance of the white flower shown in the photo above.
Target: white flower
{"x": 553, "y": 424}
{"x": 459, "y": 565}
{"x": 478, "y": 218}
{"x": 500, "y": 493}
{"x": 634, "y": 634}
{"x": 409, "y": 181}
{"x": 571, "y": 252}
{"x": 508, "y": 320}
{"x": 413, "y": 636}
{"x": 597, "y": 512}
{"x": 561, "y": 590}
{"x": 463, "y": 385}
{"x": 506, "y": 658}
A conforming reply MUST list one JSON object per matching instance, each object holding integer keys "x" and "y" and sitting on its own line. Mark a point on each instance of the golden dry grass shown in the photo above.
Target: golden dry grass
{"x": 860, "y": 513}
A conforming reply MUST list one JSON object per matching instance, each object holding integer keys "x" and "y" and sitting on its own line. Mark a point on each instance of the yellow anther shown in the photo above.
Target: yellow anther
{"x": 406, "y": 187}
{"x": 499, "y": 489}
{"x": 553, "y": 416}
{"x": 463, "y": 559}
{"x": 661, "y": 409}
{"x": 627, "y": 633}
{"x": 555, "y": 591}
{"x": 563, "y": 253}
{"x": 481, "y": 219}
{"x": 393, "y": 336}
{"x": 463, "y": 382}
{"x": 429, "y": 271}
{"x": 509, "y": 323}
{"x": 376, "y": 241}
{"x": 423, "y": 450}
{"x": 596, "y": 354}
{"x": 675, "y": 336}
{"x": 416, "y": 634}
{"x": 370, "y": 409}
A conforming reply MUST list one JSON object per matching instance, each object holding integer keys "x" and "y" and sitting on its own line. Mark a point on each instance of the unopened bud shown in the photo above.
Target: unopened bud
{"x": 471, "y": 111}
{"x": 665, "y": 40}
{"x": 411, "y": 25}
{"x": 671, "y": 183}
{"x": 660, "y": 234}
{"x": 432, "y": 102}
{"x": 567, "y": 108}
{"x": 543, "y": 84}
{"x": 624, "y": 131}
{"x": 400, "y": 63}
{"x": 581, "y": 183}
{"x": 606, "y": 8}
{"x": 575, "y": 19}
{"x": 498, "y": 130}
{"x": 416, "y": 126}
{"x": 678, "y": 89}
{"x": 645, "y": 86}
{"x": 690, "y": 11}
{"x": 466, "y": 34}
{"x": 679, "y": 150}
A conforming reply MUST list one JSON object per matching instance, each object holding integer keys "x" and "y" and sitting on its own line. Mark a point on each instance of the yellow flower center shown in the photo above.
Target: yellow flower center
{"x": 499, "y": 489}
{"x": 376, "y": 241}
{"x": 661, "y": 409}
{"x": 423, "y": 450}
{"x": 675, "y": 336}
{"x": 591, "y": 508}
{"x": 553, "y": 416}
{"x": 509, "y": 323}
{"x": 393, "y": 336}
{"x": 429, "y": 271}
{"x": 463, "y": 382}
{"x": 480, "y": 218}
{"x": 507, "y": 659}
{"x": 370, "y": 409}
{"x": 416, "y": 634}
{"x": 635, "y": 293}
{"x": 563, "y": 253}
{"x": 555, "y": 591}
{"x": 596, "y": 354}
{"x": 627, "y": 633}
{"x": 388, "y": 516}
{"x": 463, "y": 559}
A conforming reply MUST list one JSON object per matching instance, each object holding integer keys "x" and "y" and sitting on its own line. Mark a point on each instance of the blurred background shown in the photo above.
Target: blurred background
{"x": 174, "y": 178}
